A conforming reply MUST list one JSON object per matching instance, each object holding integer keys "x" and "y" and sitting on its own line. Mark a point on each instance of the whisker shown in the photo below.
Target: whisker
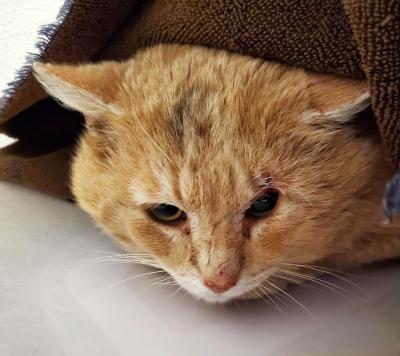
{"x": 260, "y": 295}
{"x": 267, "y": 295}
{"x": 116, "y": 253}
{"x": 172, "y": 294}
{"x": 317, "y": 279}
{"x": 296, "y": 302}
{"x": 321, "y": 268}
{"x": 159, "y": 284}
{"x": 314, "y": 278}
{"x": 126, "y": 262}
{"x": 132, "y": 278}
{"x": 324, "y": 284}
{"x": 165, "y": 281}
{"x": 237, "y": 305}
{"x": 103, "y": 259}
{"x": 297, "y": 282}
{"x": 280, "y": 298}
{"x": 165, "y": 278}
{"x": 162, "y": 278}
{"x": 121, "y": 256}
{"x": 329, "y": 272}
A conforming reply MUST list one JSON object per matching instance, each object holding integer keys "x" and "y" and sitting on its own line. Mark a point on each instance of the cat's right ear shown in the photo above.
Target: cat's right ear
{"x": 91, "y": 89}
{"x": 337, "y": 99}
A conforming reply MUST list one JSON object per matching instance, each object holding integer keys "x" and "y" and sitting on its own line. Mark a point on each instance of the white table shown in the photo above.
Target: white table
{"x": 55, "y": 300}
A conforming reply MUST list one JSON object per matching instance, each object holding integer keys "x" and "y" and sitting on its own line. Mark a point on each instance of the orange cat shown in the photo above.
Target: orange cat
{"x": 229, "y": 172}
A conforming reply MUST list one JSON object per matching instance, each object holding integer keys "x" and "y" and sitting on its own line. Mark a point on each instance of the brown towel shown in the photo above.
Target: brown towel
{"x": 354, "y": 38}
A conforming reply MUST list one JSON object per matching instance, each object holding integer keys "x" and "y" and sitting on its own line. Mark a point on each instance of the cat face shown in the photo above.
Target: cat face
{"x": 223, "y": 170}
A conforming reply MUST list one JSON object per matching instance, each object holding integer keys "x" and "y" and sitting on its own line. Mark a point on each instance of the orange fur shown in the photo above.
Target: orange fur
{"x": 200, "y": 129}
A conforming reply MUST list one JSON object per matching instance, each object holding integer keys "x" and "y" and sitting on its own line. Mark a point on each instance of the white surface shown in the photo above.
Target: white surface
{"x": 56, "y": 300}
{"x": 20, "y": 21}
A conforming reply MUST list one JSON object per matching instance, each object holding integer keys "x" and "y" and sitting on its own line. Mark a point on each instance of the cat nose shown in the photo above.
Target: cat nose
{"x": 220, "y": 284}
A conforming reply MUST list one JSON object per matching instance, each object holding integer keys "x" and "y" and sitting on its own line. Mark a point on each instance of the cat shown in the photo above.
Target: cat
{"x": 233, "y": 174}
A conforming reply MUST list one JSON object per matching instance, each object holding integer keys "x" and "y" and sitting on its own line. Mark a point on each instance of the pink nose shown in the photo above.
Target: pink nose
{"x": 220, "y": 285}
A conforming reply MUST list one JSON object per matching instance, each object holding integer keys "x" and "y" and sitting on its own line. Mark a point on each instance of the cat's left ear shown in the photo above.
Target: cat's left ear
{"x": 337, "y": 99}
{"x": 91, "y": 89}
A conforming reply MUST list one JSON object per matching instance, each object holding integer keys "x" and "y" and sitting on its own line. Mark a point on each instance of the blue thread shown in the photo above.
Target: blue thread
{"x": 391, "y": 201}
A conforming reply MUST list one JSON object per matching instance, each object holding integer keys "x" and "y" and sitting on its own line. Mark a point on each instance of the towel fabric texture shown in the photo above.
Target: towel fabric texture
{"x": 353, "y": 38}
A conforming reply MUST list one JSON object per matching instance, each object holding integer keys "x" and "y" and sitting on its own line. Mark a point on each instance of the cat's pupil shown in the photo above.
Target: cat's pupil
{"x": 263, "y": 205}
{"x": 167, "y": 213}
{"x": 166, "y": 209}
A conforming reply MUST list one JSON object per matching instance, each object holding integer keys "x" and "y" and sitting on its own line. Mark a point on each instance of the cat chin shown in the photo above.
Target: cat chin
{"x": 214, "y": 298}
{"x": 245, "y": 289}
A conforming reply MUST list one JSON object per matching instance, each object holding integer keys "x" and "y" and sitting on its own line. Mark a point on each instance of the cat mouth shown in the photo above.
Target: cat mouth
{"x": 246, "y": 288}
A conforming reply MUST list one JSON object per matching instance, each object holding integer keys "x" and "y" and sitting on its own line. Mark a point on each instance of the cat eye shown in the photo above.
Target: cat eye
{"x": 167, "y": 213}
{"x": 263, "y": 205}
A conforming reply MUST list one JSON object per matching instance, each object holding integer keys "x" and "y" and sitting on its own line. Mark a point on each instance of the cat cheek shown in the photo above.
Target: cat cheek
{"x": 151, "y": 238}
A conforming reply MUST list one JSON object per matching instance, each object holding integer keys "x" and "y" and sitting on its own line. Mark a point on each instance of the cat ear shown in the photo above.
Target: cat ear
{"x": 91, "y": 89}
{"x": 338, "y": 99}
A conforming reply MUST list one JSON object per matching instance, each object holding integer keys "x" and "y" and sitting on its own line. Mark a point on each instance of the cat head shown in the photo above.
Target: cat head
{"x": 223, "y": 170}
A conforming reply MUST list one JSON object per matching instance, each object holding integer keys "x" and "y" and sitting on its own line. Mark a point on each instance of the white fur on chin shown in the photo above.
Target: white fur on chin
{"x": 195, "y": 287}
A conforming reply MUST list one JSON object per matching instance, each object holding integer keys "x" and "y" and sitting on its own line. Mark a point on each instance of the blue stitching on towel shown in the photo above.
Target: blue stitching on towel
{"x": 391, "y": 200}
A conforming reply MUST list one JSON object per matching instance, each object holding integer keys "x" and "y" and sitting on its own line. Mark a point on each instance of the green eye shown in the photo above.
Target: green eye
{"x": 264, "y": 205}
{"x": 167, "y": 213}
